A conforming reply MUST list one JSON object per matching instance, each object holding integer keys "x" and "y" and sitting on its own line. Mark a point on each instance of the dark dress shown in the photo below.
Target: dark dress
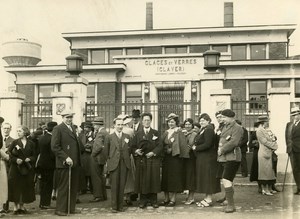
{"x": 190, "y": 164}
{"x": 172, "y": 165}
{"x": 206, "y": 162}
{"x": 21, "y": 185}
{"x": 254, "y": 146}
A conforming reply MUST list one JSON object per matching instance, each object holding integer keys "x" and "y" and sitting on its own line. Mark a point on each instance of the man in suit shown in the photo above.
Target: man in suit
{"x": 136, "y": 117}
{"x": 98, "y": 160}
{"x": 292, "y": 137}
{"x": 229, "y": 155}
{"x": 244, "y": 149}
{"x": 7, "y": 140}
{"x": 46, "y": 166}
{"x": 118, "y": 149}
{"x": 66, "y": 147}
{"x": 147, "y": 150}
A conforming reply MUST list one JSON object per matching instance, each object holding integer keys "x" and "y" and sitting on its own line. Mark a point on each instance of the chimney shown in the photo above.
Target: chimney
{"x": 228, "y": 14}
{"x": 149, "y": 16}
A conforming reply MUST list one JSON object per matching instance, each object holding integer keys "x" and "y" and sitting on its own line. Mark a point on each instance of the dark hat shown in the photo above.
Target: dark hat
{"x": 82, "y": 125}
{"x": 136, "y": 113}
{"x": 42, "y": 123}
{"x": 51, "y": 125}
{"x": 262, "y": 119}
{"x": 172, "y": 116}
{"x": 1, "y": 119}
{"x": 98, "y": 121}
{"x": 295, "y": 111}
{"x": 228, "y": 113}
{"x": 87, "y": 124}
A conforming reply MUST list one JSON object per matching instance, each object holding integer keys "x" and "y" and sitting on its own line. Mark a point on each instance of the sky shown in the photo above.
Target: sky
{"x": 43, "y": 21}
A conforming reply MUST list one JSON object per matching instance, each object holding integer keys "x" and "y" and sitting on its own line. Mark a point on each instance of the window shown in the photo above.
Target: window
{"x": 133, "y": 95}
{"x": 112, "y": 53}
{"x": 220, "y": 48}
{"x": 238, "y": 52}
{"x": 152, "y": 50}
{"x": 280, "y": 83}
{"x": 91, "y": 90}
{"x": 175, "y": 50}
{"x": 133, "y": 51}
{"x": 98, "y": 56}
{"x": 83, "y": 53}
{"x": 44, "y": 93}
{"x": 258, "y": 51}
{"x": 258, "y": 96}
{"x": 297, "y": 88}
{"x": 199, "y": 48}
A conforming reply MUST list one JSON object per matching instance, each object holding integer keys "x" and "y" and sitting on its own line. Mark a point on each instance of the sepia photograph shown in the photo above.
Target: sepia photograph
{"x": 150, "y": 108}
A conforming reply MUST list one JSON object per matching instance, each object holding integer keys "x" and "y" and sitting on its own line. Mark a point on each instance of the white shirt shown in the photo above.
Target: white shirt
{"x": 119, "y": 134}
{"x": 147, "y": 130}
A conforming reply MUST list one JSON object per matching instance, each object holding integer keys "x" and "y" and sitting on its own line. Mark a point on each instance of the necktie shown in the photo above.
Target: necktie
{"x": 5, "y": 139}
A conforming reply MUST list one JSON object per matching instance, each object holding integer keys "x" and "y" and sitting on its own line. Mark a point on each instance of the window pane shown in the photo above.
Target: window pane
{"x": 199, "y": 48}
{"x": 220, "y": 48}
{"x": 133, "y": 51}
{"x": 297, "y": 88}
{"x": 257, "y": 87}
{"x": 44, "y": 94}
{"x": 98, "y": 56}
{"x": 152, "y": 50}
{"x": 238, "y": 52}
{"x": 174, "y": 50}
{"x": 112, "y": 53}
{"x": 134, "y": 90}
{"x": 258, "y": 51}
{"x": 91, "y": 93}
{"x": 280, "y": 83}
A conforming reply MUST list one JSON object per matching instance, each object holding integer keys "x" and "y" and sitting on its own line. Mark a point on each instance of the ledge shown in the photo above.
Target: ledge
{"x": 61, "y": 94}
{"x": 12, "y": 95}
{"x": 281, "y": 90}
{"x": 220, "y": 92}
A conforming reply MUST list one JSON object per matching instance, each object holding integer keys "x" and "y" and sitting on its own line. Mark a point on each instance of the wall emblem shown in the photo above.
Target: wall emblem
{"x": 60, "y": 107}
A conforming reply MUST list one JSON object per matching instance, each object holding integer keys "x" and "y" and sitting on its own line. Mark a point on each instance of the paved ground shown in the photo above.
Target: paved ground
{"x": 249, "y": 203}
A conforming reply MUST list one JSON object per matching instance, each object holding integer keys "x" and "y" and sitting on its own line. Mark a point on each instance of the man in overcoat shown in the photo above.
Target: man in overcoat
{"x": 292, "y": 137}
{"x": 66, "y": 147}
{"x": 98, "y": 160}
{"x": 147, "y": 150}
{"x": 136, "y": 117}
{"x": 46, "y": 166}
{"x": 229, "y": 154}
{"x": 118, "y": 150}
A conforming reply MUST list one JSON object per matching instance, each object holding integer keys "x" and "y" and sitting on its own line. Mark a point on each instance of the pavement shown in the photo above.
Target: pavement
{"x": 249, "y": 204}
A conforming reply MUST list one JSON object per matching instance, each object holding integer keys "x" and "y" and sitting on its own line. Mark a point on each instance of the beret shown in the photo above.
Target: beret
{"x": 228, "y": 113}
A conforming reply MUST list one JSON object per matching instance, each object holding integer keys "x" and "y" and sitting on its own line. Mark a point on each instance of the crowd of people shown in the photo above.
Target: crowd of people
{"x": 138, "y": 162}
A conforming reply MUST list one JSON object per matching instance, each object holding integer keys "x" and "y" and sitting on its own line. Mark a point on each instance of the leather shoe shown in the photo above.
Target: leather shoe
{"x": 44, "y": 207}
{"x": 297, "y": 193}
{"x": 128, "y": 202}
{"x": 75, "y": 212}
{"x": 142, "y": 205}
{"x": 96, "y": 200}
{"x": 155, "y": 205}
{"x": 114, "y": 211}
{"x": 60, "y": 213}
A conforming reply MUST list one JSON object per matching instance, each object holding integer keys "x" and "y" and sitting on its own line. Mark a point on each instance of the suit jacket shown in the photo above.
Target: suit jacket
{"x": 288, "y": 137}
{"x": 112, "y": 147}
{"x": 296, "y": 138}
{"x": 64, "y": 144}
{"x": 87, "y": 140}
{"x": 204, "y": 141}
{"x": 148, "y": 143}
{"x": 47, "y": 157}
{"x": 139, "y": 128}
{"x": 97, "y": 152}
{"x": 230, "y": 139}
{"x": 243, "y": 143}
{"x": 8, "y": 141}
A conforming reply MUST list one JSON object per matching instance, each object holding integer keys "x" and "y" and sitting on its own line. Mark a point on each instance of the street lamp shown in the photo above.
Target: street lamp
{"x": 74, "y": 64}
{"x": 211, "y": 60}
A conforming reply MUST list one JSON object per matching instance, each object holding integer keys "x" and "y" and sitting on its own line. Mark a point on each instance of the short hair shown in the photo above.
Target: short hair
{"x": 238, "y": 122}
{"x": 190, "y": 120}
{"x": 176, "y": 119}
{"x": 197, "y": 125}
{"x": 146, "y": 114}
{"x": 205, "y": 116}
{"x": 116, "y": 119}
{"x": 7, "y": 124}
{"x": 25, "y": 130}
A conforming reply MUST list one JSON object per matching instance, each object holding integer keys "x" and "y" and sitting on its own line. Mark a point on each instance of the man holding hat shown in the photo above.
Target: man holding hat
{"x": 46, "y": 165}
{"x": 292, "y": 137}
{"x": 229, "y": 155}
{"x": 66, "y": 147}
{"x": 98, "y": 160}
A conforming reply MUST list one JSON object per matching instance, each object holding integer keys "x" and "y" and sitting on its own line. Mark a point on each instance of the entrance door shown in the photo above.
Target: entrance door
{"x": 169, "y": 101}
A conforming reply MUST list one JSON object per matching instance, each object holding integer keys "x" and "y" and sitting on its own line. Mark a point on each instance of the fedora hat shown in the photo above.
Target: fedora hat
{"x": 126, "y": 118}
{"x": 262, "y": 119}
{"x": 67, "y": 113}
{"x": 295, "y": 111}
{"x": 98, "y": 121}
{"x": 136, "y": 113}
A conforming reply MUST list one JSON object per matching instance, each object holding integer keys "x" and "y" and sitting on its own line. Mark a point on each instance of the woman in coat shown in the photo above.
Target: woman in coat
{"x": 3, "y": 176}
{"x": 206, "y": 161}
{"x": 21, "y": 173}
{"x": 267, "y": 144}
{"x": 175, "y": 150}
{"x": 190, "y": 163}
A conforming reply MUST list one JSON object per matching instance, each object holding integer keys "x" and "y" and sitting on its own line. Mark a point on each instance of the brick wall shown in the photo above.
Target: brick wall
{"x": 106, "y": 92}
{"x": 28, "y": 90}
{"x": 278, "y": 51}
{"x": 238, "y": 88}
